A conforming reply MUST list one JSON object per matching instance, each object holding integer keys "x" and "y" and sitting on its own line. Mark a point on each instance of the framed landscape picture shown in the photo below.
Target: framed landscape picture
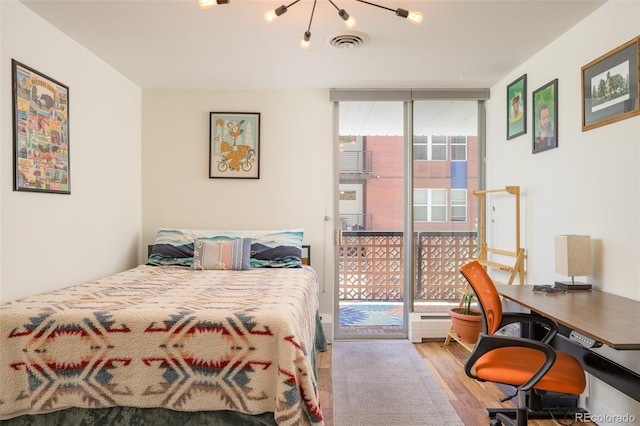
{"x": 545, "y": 113}
{"x": 517, "y": 107}
{"x": 611, "y": 86}
{"x": 40, "y": 132}
{"x": 234, "y": 145}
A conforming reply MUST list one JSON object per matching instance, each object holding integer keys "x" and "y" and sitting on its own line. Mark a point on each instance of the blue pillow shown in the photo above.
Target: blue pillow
{"x": 277, "y": 249}
{"x": 172, "y": 247}
{"x": 269, "y": 249}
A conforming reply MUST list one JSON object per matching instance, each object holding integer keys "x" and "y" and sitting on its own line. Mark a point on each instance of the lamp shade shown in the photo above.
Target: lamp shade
{"x": 573, "y": 255}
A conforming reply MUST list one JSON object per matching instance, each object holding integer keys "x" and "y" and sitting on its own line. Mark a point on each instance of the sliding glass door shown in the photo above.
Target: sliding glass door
{"x": 370, "y": 186}
{"x": 407, "y": 166}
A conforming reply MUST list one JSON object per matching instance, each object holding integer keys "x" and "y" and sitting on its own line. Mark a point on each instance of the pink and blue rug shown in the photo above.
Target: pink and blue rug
{"x": 370, "y": 314}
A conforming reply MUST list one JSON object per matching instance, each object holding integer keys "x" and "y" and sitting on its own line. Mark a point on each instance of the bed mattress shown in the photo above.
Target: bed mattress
{"x": 168, "y": 337}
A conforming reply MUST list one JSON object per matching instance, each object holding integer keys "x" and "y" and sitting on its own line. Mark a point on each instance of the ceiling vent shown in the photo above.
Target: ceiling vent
{"x": 347, "y": 40}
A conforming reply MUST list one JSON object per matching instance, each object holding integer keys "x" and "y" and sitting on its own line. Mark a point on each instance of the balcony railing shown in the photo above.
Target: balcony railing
{"x": 356, "y": 222}
{"x": 355, "y": 163}
{"x": 371, "y": 265}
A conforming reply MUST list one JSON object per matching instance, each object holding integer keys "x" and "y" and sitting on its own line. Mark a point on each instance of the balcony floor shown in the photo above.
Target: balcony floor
{"x": 369, "y": 317}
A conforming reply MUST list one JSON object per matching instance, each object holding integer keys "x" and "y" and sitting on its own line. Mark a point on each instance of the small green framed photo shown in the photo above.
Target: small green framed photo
{"x": 545, "y": 110}
{"x": 517, "y": 107}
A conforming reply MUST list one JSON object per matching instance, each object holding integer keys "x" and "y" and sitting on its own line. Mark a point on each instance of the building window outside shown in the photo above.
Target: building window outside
{"x": 458, "y": 148}
{"x": 458, "y": 205}
{"x": 430, "y": 148}
{"x": 348, "y": 196}
{"x": 430, "y": 205}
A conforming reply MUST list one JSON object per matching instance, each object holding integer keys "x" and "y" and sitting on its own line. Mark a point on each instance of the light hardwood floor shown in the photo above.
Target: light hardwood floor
{"x": 467, "y": 396}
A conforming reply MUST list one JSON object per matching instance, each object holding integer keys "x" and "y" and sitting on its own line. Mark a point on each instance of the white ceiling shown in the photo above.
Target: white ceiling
{"x": 430, "y": 118}
{"x": 175, "y": 44}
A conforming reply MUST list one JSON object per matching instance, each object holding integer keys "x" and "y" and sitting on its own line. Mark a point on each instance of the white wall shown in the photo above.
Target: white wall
{"x": 53, "y": 240}
{"x": 589, "y": 185}
{"x": 296, "y": 165}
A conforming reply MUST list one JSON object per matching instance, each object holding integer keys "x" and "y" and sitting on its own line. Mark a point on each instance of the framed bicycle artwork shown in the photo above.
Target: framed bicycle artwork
{"x": 234, "y": 145}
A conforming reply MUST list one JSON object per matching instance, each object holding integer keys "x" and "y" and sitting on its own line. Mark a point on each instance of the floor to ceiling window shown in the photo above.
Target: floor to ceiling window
{"x": 382, "y": 167}
{"x": 371, "y": 292}
{"x": 445, "y": 174}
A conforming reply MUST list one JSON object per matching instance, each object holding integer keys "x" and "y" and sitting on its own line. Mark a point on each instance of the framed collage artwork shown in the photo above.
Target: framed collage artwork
{"x": 40, "y": 132}
{"x": 234, "y": 145}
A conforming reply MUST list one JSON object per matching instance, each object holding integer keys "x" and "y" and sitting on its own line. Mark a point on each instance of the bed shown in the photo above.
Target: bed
{"x": 176, "y": 341}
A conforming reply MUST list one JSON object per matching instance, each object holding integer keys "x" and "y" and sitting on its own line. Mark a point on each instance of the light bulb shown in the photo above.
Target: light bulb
{"x": 351, "y": 22}
{"x": 415, "y": 17}
{"x": 411, "y": 16}
{"x": 305, "y": 43}
{"x": 270, "y": 16}
{"x": 207, "y": 4}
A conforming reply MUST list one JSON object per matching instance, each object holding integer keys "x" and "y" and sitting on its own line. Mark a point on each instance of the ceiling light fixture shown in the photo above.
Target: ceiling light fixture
{"x": 206, "y": 4}
{"x": 271, "y": 15}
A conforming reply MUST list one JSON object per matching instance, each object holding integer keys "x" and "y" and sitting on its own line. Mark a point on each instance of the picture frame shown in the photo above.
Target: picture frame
{"x": 234, "y": 145}
{"x": 517, "y": 107}
{"x": 611, "y": 86}
{"x": 41, "y": 159}
{"x": 545, "y": 117}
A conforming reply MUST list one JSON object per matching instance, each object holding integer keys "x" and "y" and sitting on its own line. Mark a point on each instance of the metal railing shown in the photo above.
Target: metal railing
{"x": 355, "y": 162}
{"x": 356, "y": 222}
{"x": 371, "y": 265}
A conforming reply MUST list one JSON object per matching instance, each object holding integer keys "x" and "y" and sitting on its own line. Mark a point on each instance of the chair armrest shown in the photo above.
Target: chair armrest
{"x": 513, "y": 317}
{"x": 486, "y": 343}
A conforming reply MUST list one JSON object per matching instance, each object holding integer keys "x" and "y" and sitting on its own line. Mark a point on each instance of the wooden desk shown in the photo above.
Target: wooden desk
{"x": 607, "y": 318}
{"x": 610, "y": 319}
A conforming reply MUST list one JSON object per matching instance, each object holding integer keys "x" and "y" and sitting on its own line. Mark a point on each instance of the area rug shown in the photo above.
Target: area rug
{"x": 386, "y": 383}
{"x": 367, "y": 314}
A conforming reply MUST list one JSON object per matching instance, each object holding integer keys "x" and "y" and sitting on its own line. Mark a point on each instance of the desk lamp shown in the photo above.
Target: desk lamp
{"x": 573, "y": 258}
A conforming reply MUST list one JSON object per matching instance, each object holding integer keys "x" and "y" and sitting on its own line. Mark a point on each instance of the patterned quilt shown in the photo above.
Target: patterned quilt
{"x": 166, "y": 337}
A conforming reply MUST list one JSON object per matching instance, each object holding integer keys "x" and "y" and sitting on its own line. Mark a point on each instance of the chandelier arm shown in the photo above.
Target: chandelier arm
{"x": 348, "y": 20}
{"x": 334, "y": 5}
{"x": 313, "y": 9}
{"x": 376, "y": 5}
{"x": 292, "y": 3}
{"x": 283, "y": 9}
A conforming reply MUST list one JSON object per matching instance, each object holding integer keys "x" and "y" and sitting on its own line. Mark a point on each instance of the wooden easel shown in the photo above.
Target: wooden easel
{"x": 517, "y": 254}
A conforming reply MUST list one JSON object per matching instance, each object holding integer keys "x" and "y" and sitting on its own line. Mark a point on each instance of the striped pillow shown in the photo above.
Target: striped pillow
{"x": 233, "y": 255}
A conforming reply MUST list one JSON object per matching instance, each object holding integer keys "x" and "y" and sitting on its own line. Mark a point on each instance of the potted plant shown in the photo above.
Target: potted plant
{"x": 466, "y": 322}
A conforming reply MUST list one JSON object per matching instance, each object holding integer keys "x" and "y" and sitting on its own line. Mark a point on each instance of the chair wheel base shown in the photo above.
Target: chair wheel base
{"x": 502, "y": 420}
{"x": 508, "y": 416}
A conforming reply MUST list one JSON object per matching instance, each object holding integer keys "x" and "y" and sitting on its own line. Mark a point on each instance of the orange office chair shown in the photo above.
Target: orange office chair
{"x": 525, "y": 363}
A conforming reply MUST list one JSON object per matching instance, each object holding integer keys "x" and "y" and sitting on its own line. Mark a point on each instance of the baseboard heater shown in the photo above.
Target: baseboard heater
{"x": 425, "y": 327}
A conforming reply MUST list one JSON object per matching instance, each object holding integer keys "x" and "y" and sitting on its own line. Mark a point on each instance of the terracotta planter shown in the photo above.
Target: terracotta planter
{"x": 467, "y": 327}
